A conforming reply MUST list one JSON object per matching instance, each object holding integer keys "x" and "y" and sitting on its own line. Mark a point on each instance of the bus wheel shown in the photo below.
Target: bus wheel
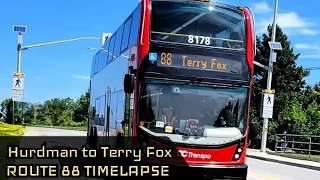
{"x": 119, "y": 142}
{"x": 90, "y": 137}
{"x": 94, "y": 138}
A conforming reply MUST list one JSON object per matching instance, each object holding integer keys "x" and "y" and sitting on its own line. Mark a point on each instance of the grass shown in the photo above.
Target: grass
{"x": 11, "y": 130}
{"x": 307, "y": 157}
{"x": 10, "y": 135}
{"x": 80, "y": 128}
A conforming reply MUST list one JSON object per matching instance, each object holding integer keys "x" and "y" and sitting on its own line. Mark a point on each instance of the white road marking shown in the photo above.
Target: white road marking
{"x": 268, "y": 162}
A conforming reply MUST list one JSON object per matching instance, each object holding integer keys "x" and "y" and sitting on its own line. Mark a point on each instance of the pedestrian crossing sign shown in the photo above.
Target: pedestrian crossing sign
{"x": 18, "y": 87}
{"x": 266, "y": 110}
{"x": 18, "y": 82}
{"x": 268, "y": 99}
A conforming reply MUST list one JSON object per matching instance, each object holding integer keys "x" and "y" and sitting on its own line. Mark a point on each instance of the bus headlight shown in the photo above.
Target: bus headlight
{"x": 238, "y": 152}
{"x": 236, "y": 156}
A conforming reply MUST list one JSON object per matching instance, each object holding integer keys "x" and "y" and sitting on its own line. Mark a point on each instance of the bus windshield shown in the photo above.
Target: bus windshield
{"x": 197, "y": 24}
{"x": 206, "y": 115}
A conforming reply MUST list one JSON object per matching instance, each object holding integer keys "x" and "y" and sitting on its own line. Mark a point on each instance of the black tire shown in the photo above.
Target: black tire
{"x": 119, "y": 142}
{"x": 95, "y": 137}
{"x": 90, "y": 139}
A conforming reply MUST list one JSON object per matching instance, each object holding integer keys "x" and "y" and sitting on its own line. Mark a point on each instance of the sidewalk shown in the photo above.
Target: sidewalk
{"x": 255, "y": 153}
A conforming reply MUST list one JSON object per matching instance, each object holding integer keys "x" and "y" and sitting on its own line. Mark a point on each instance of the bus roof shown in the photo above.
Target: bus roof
{"x": 199, "y": 1}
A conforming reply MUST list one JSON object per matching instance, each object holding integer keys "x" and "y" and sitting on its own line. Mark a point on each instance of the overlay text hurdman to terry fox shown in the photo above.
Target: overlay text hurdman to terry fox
{"x": 44, "y": 152}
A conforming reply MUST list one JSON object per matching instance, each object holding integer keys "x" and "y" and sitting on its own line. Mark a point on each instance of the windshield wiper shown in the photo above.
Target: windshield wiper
{"x": 240, "y": 84}
{"x": 234, "y": 85}
{"x": 197, "y": 79}
{"x": 199, "y": 82}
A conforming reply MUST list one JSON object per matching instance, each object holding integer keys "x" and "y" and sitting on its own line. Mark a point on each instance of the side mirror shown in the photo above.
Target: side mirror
{"x": 253, "y": 130}
{"x": 128, "y": 83}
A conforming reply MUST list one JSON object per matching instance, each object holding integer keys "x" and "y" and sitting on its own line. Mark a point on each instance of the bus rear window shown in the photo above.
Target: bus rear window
{"x": 197, "y": 24}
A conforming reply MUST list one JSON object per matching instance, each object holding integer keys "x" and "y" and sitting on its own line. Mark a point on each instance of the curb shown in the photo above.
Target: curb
{"x": 317, "y": 168}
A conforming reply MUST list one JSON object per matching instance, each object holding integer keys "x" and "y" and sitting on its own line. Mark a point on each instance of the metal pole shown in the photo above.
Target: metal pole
{"x": 19, "y": 59}
{"x": 269, "y": 80}
{"x": 57, "y": 42}
{"x": 12, "y": 112}
{"x": 20, "y": 40}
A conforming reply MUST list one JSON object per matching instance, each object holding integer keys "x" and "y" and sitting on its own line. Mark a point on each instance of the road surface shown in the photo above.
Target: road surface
{"x": 41, "y": 131}
{"x": 265, "y": 170}
{"x": 258, "y": 169}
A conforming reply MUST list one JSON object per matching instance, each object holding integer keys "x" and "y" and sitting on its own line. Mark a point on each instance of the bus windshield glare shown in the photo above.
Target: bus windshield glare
{"x": 211, "y": 115}
{"x": 197, "y": 24}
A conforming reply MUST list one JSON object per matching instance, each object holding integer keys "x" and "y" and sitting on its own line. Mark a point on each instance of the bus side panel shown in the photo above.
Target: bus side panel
{"x": 110, "y": 77}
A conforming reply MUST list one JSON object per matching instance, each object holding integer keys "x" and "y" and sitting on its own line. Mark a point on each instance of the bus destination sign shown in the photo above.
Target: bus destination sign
{"x": 198, "y": 62}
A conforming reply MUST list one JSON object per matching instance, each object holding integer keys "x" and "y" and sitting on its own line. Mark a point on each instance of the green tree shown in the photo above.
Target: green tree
{"x": 4, "y": 105}
{"x": 81, "y": 108}
{"x": 54, "y": 108}
{"x": 29, "y": 113}
{"x": 6, "y": 108}
{"x": 41, "y": 113}
{"x": 313, "y": 116}
{"x": 65, "y": 119}
{"x": 288, "y": 78}
{"x": 294, "y": 118}
{"x": 56, "y": 111}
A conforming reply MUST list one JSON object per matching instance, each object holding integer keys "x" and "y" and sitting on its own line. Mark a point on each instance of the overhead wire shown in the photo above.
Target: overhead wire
{"x": 312, "y": 68}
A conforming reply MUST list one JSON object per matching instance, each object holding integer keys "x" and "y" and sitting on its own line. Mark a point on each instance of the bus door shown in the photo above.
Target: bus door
{"x": 128, "y": 123}
{"x": 107, "y": 116}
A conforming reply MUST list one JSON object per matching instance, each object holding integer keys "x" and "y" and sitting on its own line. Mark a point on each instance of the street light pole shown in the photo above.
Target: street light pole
{"x": 12, "y": 111}
{"x": 269, "y": 80}
{"x": 20, "y": 48}
{"x": 57, "y": 42}
{"x": 22, "y": 29}
{"x": 20, "y": 40}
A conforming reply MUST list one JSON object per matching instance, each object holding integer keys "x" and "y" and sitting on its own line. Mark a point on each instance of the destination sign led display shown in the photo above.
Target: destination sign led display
{"x": 198, "y": 62}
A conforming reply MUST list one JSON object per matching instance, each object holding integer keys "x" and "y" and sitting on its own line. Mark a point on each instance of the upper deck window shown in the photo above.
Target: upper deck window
{"x": 197, "y": 24}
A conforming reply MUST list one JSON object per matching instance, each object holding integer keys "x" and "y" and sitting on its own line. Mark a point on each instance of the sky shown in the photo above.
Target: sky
{"x": 63, "y": 70}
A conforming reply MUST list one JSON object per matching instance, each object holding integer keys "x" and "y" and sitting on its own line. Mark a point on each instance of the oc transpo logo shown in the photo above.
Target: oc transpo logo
{"x": 185, "y": 153}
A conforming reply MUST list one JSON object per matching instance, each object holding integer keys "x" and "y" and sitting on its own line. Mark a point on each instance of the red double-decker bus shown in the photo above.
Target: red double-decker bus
{"x": 179, "y": 74}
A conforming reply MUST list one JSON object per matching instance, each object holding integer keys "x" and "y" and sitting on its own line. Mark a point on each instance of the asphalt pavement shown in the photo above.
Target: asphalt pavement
{"x": 265, "y": 170}
{"x": 41, "y": 131}
{"x": 258, "y": 169}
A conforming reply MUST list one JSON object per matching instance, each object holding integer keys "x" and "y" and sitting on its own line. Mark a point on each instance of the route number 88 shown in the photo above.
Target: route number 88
{"x": 199, "y": 40}
{"x": 166, "y": 59}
